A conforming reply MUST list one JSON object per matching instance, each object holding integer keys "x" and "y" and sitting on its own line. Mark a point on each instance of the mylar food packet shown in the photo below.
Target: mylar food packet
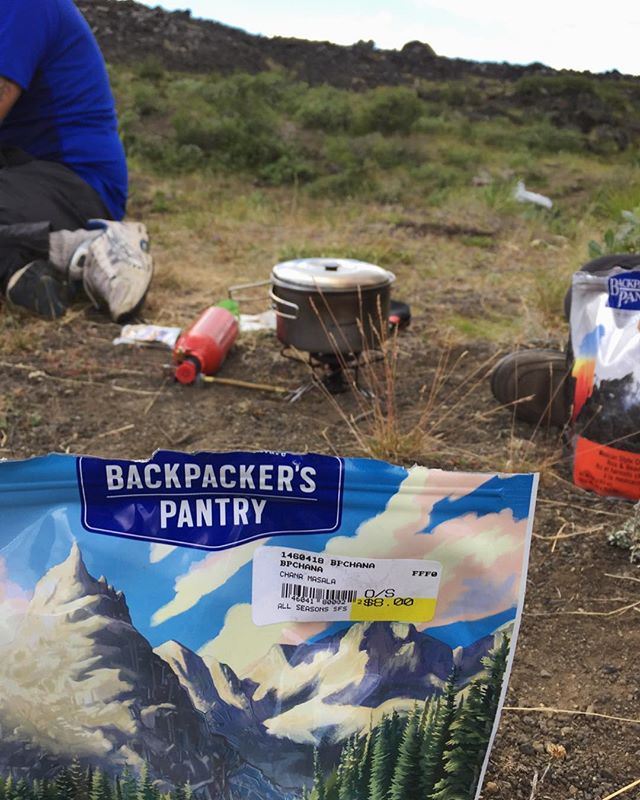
{"x": 605, "y": 335}
{"x": 255, "y": 626}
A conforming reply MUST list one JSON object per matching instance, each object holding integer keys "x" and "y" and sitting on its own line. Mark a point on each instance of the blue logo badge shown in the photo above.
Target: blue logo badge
{"x": 624, "y": 291}
{"x": 211, "y": 500}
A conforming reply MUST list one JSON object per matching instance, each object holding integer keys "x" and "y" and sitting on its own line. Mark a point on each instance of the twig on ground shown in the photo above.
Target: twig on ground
{"x": 537, "y": 781}
{"x": 39, "y": 373}
{"x": 113, "y": 432}
{"x": 615, "y": 612}
{"x": 554, "y": 539}
{"x": 548, "y": 710}
{"x": 559, "y": 535}
{"x": 622, "y": 791}
{"x": 151, "y": 402}
{"x": 547, "y": 502}
{"x": 622, "y": 577}
{"x": 70, "y": 316}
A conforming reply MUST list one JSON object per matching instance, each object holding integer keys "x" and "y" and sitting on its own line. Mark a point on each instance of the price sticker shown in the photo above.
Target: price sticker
{"x": 302, "y": 586}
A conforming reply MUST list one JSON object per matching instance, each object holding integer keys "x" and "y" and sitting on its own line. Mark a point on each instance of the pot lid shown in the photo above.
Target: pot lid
{"x": 330, "y": 274}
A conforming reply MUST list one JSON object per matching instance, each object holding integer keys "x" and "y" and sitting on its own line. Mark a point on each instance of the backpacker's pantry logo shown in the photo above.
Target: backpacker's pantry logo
{"x": 211, "y": 500}
{"x": 624, "y": 291}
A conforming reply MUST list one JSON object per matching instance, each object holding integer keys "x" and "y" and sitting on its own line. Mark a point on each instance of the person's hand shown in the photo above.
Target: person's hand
{"x": 9, "y": 93}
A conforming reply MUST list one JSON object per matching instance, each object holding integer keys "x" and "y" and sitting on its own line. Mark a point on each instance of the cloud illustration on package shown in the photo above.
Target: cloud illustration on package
{"x": 387, "y": 601}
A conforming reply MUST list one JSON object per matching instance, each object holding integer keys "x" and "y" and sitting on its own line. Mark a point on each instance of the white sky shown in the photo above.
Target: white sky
{"x": 571, "y": 34}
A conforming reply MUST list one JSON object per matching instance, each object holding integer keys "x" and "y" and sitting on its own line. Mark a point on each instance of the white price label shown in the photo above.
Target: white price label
{"x": 292, "y": 585}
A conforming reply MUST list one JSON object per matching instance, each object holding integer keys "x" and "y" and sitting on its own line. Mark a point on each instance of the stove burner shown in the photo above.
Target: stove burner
{"x": 331, "y": 372}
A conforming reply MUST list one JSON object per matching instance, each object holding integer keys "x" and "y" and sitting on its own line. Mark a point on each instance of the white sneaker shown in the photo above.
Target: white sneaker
{"x": 116, "y": 267}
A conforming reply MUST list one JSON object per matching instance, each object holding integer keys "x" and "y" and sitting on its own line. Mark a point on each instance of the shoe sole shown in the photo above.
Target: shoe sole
{"x": 534, "y": 378}
{"x": 51, "y": 312}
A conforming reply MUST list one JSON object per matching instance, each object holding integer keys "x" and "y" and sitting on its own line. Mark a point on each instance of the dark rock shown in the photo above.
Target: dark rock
{"x": 129, "y": 32}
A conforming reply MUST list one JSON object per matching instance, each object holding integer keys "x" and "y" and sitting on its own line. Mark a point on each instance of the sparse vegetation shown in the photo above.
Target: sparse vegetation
{"x": 231, "y": 175}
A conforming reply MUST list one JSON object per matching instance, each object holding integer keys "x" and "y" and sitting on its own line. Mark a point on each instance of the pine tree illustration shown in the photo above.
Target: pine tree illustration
{"x": 100, "y": 788}
{"x": 382, "y": 761}
{"x": 432, "y": 764}
{"x": 21, "y": 791}
{"x": 128, "y": 785}
{"x": 64, "y": 785}
{"x": 496, "y": 664}
{"x": 145, "y": 787}
{"x": 406, "y": 783}
{"x": 8, "y": 788}
{"x": 348, "y": 770}
{"x": 78, "y": 778}
{"x": 466, "y": 748}
{"x": 317, "y": 791}
{"x": 47, "y": 790}
{"x": 364, "y": 766}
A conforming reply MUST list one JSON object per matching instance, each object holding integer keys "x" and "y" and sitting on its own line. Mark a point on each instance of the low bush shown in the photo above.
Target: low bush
{"x": 543, "y": 137}
{"x": 388, "y": 110}
{"x": 326, "y": 109}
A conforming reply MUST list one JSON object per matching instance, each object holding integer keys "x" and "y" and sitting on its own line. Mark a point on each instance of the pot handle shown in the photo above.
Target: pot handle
{"x": 275, "y": 300}
{"x": 233, "y": 290}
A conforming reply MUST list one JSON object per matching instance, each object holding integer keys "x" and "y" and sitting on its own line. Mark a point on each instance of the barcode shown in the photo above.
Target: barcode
{"x": 298, "y": 591}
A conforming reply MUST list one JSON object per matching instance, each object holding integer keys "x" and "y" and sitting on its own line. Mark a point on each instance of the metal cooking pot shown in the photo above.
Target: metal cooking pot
{"x": 331, "y": 305}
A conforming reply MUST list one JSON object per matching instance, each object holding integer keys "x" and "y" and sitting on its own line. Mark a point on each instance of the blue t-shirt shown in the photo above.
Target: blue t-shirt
{"x": 66, "y": 111}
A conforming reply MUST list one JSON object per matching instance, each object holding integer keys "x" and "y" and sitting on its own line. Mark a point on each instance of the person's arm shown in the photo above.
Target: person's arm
{"x": 9, "y": 93}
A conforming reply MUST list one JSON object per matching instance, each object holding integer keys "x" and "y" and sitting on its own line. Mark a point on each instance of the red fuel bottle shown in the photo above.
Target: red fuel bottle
{"x": 203, "y": 346}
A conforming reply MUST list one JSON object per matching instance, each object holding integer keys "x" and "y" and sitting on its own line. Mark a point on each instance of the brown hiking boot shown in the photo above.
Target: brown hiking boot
{"x": 532, "y": 383}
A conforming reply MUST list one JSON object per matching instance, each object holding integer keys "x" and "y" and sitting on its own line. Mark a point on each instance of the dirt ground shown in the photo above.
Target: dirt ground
{"x": 71, "y": 390}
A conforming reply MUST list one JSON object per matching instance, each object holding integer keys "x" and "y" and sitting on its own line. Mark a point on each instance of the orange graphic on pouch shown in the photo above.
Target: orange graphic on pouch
{"x": 606, "y": 470}
{"x": 584, "y": 370}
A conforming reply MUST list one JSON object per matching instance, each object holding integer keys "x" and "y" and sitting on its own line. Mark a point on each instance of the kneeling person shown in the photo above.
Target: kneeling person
{"x": 63, "y": 172}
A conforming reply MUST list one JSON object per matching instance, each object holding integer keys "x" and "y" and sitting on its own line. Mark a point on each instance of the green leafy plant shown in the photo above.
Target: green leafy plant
{"x": 625, "y": 238}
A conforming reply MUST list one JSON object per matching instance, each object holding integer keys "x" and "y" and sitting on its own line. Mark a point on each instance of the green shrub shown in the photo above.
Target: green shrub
{"x": 347, "y": 184}
{"x": 326, "y": 109}
{"x": 150, "y": 68}
{"x": 340, "y": 153}
{"x": 231, "y": 141}
{"x": 435, "y": 125}
{"x": 532, "y": 89}
{"x": 434, "y": 175}
{"x": 386, "y": 151}
{"x": 543, "y": 137}
{"x": 624, "y": 238}
{"x": 461, "y": 156}
{"x": 146, "y": 100}
{"x": 389, "y": 110}
{"x": 166, "y": 155}
{"x": 288, "y": 168}
{"x": 247, "y": 94}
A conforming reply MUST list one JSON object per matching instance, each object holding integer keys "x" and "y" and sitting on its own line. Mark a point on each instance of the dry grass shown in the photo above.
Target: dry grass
{"x": 209, "y": 232}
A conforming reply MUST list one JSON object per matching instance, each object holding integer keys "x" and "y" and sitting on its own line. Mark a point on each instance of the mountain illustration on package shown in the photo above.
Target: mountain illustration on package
{"x": 254, "y": 626}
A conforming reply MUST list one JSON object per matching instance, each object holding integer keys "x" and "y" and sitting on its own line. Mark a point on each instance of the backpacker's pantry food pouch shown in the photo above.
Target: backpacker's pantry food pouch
{"x": 254, "y": 626}
{"x": 605, "y": 334}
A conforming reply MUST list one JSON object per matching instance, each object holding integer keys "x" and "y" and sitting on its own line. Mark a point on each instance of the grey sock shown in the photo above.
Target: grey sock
{"x": 63, "y": 244}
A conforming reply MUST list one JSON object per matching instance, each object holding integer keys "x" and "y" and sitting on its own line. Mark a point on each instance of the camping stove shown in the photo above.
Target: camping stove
{"x": 331, "y": 373}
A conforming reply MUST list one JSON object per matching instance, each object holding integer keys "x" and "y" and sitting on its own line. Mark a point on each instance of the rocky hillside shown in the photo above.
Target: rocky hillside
{"x": 128, "y": 31}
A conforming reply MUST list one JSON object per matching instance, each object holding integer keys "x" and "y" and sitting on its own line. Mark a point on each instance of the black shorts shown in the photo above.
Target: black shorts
{"x": 37, "y": 197}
